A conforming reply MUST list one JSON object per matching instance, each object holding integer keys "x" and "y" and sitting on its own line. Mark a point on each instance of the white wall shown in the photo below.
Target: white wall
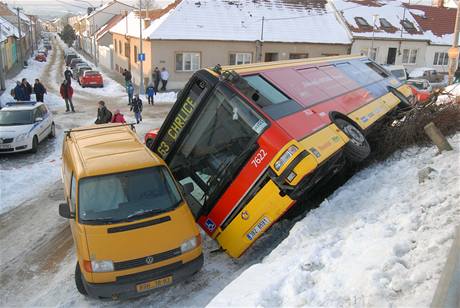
{"x": 429, "y": 57}
{"x": 105, "y": 57}
{"x": 383, "y": 46}
{"x": 99, "y": 19}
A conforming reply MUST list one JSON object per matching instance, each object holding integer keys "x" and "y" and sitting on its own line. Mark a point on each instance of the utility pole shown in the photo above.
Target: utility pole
{"x": 2, "y": 70}
{"x": 374, "y": 19}
{"x": 141, "y": 61}
{"x": 94, "y": 42}
{"x": 260, "y": 43}
{"x": 21, "y": 57}
{"x": 453, "y": 52}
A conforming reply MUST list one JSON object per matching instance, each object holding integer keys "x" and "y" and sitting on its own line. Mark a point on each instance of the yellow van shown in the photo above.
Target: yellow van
{"x": 132, "y": 228}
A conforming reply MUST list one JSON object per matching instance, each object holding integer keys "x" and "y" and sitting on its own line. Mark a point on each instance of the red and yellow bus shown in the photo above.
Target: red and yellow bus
{"x": 248, "y": 141}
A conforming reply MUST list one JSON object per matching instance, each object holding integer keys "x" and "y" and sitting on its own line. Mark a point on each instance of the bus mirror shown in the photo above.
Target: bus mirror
{"x": 188, "y": 188}
{"x": 64, "y": 211}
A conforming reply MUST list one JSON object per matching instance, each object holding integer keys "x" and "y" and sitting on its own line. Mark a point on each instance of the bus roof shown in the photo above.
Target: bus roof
{"x": 109, "y": 149}
{"x": 256, "y": 67}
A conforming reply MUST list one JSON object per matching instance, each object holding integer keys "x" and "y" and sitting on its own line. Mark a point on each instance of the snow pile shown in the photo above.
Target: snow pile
{"x": 161, "y": 97}
{"x": 380, "y": 240}
{"x": 451, "y": 94}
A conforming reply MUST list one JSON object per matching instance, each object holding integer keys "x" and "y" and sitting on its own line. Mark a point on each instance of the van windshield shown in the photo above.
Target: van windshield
{"x": 126, "y": 196}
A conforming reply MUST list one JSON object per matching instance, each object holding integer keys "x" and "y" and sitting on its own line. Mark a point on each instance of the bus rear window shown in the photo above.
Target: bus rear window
{"x": 270, "y": 99}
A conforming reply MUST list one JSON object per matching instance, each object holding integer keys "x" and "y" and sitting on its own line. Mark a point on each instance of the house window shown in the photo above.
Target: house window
{"x": 371, "y": 53}
{"x": 409, "y": 26}
{"x": 440, "y": 58}
{"x": 385, "y": 23}
{"x": 240, "y": 58}
{"x": 119, "y": 47}
{"x": 135, "y": 54}
{"x": 361, "y": 22}
{"x": 127, "y": 50}
{"x": 409, "y": 56}
{"x": 271, "y": 56}
{"x": 293, "y": 56}
{"x": 187, "y": 61}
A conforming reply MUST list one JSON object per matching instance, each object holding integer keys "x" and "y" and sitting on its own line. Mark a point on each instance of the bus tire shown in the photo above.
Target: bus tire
{"x": 357, "y": 149}
{"x": 79, "y": 281}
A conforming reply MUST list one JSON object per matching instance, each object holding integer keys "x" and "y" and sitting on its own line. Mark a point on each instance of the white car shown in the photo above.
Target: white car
{"x": 23, "y": 125}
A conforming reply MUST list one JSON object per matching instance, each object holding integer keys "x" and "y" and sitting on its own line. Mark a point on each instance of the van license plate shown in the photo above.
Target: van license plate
{"x": 154, "y": 284}
{"x": 259, "y": 227}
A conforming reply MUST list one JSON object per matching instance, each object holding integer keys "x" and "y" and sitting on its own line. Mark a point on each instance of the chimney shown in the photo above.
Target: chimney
{"x": 440, "y": 3}
{"x": 147, "y": 23}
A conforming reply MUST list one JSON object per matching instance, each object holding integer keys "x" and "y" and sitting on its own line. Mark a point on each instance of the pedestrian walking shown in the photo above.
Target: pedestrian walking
{"x": 150, "y": 93}
{"x": 136, "y": 107}
{"x": 128, "y": 77}
{"x": 68, "y": 75}
{"x": 66, "y": 91}
{"x": 39, "y": 90}
{"x": 18, "y": 92}
{"x": 103, "y": 114}
{"x": 27, "y": 89}
{"x": 118, "y": 117}
{"x": 164, "y": 78}
{"x": 156, "y": 77}
{"x": 130, "y": 90}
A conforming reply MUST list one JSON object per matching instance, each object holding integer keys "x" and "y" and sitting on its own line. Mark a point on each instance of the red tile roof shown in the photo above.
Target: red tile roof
{"x": 439, "y": 20}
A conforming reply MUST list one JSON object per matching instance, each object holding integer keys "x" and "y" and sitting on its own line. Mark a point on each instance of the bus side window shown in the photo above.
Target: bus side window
{"x": 73, "y": 191}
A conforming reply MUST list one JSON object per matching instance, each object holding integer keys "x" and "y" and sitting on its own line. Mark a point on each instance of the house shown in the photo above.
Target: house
{"x": 397, "y": 33}
{"x": 104, "y": 42}
{"x": 188, "y": 35}
{"x": 95, "y": 20}
{"x": 8, "y": 37}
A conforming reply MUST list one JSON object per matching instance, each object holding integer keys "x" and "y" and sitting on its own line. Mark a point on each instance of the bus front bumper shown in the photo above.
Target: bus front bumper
{"x": 126, "y": 286}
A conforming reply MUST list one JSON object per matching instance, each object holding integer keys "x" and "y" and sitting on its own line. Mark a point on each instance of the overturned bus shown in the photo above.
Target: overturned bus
{"x": 249, "y": 141}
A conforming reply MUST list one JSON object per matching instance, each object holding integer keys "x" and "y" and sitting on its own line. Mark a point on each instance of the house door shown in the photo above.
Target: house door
{"x": 391, "y": 58}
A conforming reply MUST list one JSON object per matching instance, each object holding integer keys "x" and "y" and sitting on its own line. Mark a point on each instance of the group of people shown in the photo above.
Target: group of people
{"x": 104, "y": 115}
{"x": 23, "y": 90}
{"x": 151, "y": 90}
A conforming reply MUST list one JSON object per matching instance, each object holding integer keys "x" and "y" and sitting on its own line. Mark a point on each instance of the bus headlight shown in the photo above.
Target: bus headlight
{"x": 190, "y": 244}
{"x": 285, "y": 157}
{"x": 101, "y": 266}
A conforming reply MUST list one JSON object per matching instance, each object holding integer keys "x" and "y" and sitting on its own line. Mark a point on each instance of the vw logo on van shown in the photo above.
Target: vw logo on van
{"x": 149, "y": 260}
{"x": 245, "y": 215}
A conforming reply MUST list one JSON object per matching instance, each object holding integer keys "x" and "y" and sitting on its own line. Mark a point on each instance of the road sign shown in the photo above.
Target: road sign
{"x": 141, "y": 56}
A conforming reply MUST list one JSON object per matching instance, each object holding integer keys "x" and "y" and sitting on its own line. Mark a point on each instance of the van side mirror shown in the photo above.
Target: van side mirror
{"x": 188, "y": 188}
{"x": 64, "y": 211}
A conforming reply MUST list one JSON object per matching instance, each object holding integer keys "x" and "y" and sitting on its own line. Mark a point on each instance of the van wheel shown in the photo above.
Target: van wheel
{"x": 79, "y": 281}
{"x": 357, "y": 149}
{"x": 53, "y": 131}
{"x": 34, "y": 145}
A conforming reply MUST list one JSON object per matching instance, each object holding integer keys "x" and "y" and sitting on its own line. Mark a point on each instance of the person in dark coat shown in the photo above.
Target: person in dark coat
{"x": 19, "y": 92}
{"x": 150, "y": 91}
{"x": 128, "y": 77}
{"x": 39, "y": 90}
{"x": 156, "y": 77}
{"x": 68, "y": 75}
{"x": 103, "y": 114}
{"x": 27, "y": 89}
{"x": 136, "y": 107}
{"x": 130, "y": 89}
{"x": 66, "y": 91}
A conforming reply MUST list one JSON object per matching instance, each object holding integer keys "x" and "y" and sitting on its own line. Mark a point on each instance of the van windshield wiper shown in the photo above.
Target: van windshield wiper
{"x": 145, "y": 213}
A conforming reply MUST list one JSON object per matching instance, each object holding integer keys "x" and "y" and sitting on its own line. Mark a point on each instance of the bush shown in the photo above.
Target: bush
{"x": 407, "y": 128}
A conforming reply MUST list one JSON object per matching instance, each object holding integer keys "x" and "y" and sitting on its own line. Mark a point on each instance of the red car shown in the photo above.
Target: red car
{"x": 40, "y": 57}
{"x": 149, "y": 138}
{"x": 91, "y": 79}
{"x": 421, "y": 89}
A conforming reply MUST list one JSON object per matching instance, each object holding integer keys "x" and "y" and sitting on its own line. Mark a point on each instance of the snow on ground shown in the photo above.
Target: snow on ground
{"x": 380, "y": 240}
{"x": 451, "y": 94}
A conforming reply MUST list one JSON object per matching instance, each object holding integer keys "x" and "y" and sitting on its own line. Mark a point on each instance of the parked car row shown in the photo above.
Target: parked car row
{"x": 82, "y": 71}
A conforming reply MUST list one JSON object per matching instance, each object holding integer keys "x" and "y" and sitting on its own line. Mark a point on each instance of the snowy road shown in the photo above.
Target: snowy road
{"x": 379, "y": 240}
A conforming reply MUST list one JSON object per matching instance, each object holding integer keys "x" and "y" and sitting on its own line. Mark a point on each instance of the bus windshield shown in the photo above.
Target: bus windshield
{"x": 126, "y": 196}
{"x": 219, "y": 141}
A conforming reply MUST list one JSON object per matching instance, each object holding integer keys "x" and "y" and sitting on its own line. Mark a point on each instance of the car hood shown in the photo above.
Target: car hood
{"x": 13, "y": 131}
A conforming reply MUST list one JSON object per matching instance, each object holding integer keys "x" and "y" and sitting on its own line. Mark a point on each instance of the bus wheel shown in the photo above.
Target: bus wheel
{"x": 357, "y": 149}
{"x": 79, "y": 281}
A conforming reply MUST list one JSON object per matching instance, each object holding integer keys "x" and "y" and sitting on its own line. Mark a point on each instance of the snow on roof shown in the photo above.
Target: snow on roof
{"x": 416, "y": 22}
{"x": 7, "y": 29}
{"x": 390, "y": 18}
{"x": 241, "y": 20}
{"x": 109, "y": 25}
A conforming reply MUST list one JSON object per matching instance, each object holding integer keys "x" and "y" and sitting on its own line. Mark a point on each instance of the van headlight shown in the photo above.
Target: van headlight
{"x": 101, "y": 266}
{"x": 285, "y": 157}
{"x": 21, "y": 137}
{"x": 190, "y": 244}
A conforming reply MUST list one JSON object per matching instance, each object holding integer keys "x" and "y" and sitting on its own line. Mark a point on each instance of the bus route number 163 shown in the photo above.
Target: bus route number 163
{"x": 259, "y": 158}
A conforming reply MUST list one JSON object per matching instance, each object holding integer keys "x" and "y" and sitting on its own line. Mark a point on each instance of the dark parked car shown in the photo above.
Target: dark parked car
{"x": 69, "y": 58}
{"x": 74, "y": 62}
